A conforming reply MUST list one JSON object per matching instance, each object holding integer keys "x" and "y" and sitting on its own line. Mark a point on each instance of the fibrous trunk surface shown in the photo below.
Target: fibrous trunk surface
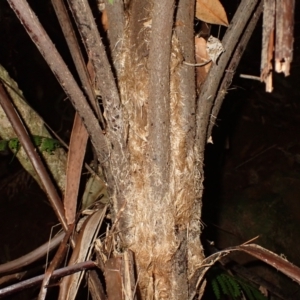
{"x": 162, "y": 215}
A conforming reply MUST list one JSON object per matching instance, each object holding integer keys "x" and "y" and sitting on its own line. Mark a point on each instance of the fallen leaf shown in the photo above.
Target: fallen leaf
{"x": 211, "y": 11}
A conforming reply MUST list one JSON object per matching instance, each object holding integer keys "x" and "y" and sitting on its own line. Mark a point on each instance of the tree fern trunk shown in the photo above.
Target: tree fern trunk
{"x": 160, "y": 222}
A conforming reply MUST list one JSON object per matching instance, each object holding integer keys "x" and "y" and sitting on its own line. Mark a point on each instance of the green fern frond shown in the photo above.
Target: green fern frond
{"x": 258, "y": 294}
{"x": 232, "y": 286}
{"x": 237, "y": 289}
{"x": 223, "y": 285}
{"x": 216, "y": 288}
{"x": 227, "y": 282}
{"x": 247, "y": 290}
{"x": 250, "y": 291}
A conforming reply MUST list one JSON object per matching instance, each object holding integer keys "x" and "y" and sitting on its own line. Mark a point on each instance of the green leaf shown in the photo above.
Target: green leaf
{"x": 236, "y": 287}
{"x": 223, "y": 285}
{"x": 43, "y": 143}
{"x": 232, "y": 285}
{"x": 251, "y": 292}
{"x": 37, "y": 140}
{"x": 216, "y": 288}
{"x": 14, "y": 145}
{"x": 49, "y": 145}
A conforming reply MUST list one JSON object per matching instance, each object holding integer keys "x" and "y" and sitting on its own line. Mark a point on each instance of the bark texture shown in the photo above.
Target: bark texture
{"x": 162, "y": 215}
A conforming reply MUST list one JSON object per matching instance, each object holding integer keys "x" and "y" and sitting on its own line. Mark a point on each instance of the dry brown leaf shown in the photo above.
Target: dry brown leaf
{"x": 113, "y": 278}
{"x": 82, "y": 252}
{"x": 272, "y": 259}
{"x": 104, "y": 20}
{"x": 76, "y": 155}
{"x": 201, "y": 56}
{"x": 211, "y": 11}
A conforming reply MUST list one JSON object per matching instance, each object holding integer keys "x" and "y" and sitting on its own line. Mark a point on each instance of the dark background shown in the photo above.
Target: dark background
{"x": 252, "y": 184}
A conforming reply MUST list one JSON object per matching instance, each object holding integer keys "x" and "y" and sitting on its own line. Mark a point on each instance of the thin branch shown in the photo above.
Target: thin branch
{"x": 105, "y": 83}
{"x": 185, "y": 34}
{"x": 32, "y": 256}
{"x": 186, "y": 122}
{"x": 66, "y": 26}
{"x": 38, "y": 279}
{"x": 197, "y": 65}
{"x": 116, "y": 169}
{"x": 208, "y": 92}
{"x": 61, "y": 71}
{"x": 59, "y": 256}
{"x": 159, "y": 95}
{"x": 116, "y": 23}
{"x": 234, "y": 64}
{"x": 251, "y": 77}
{"x": 36, "y": 161}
